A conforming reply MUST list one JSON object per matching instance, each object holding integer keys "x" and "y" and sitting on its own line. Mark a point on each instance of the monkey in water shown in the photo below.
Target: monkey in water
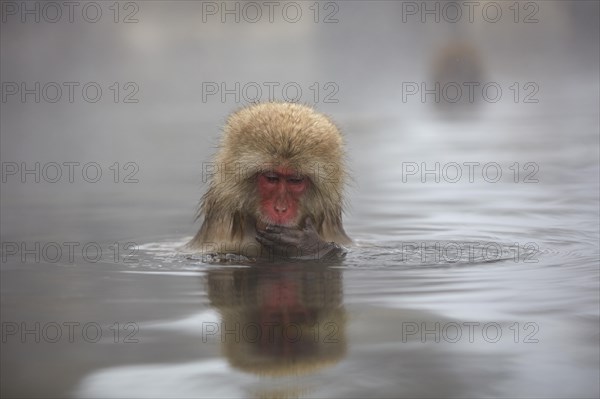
{"x": 275, "y": 186}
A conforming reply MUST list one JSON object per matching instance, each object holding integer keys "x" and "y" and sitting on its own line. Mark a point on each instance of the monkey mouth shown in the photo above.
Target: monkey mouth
{"x": 262, "y": 223}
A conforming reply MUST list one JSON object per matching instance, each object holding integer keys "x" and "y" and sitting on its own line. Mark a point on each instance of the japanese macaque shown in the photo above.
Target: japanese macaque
{"x": 458, "y": 70}
{"x": 458, "y": 62}
{"x": 276, "y": 186}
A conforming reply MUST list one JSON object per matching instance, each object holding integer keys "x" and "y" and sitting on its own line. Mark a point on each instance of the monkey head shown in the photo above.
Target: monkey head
{"x": 280, "y": 170}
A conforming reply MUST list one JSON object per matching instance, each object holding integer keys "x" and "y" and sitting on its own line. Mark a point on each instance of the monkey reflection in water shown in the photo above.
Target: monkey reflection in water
{"x": 279, "y": 320}
{"x": 276, "y": 186}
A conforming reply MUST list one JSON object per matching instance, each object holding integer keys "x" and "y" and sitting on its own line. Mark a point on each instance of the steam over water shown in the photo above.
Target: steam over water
{"x": 476, "y": 223}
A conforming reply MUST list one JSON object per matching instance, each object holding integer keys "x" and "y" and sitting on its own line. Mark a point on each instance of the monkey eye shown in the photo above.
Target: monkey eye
{"x": 295, "y": 180}
{"x": 271, "y": 177}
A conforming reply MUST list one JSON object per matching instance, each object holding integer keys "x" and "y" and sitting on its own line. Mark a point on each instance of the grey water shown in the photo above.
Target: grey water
{"x": 475, "y": 267}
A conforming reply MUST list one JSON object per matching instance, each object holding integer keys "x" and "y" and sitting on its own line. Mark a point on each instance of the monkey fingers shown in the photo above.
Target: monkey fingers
{"x": 283, "y": 230}
{"x": 282, "y": 236}
{"x": 265, "y": 241}
{"x": 267, "y": 237}
{"x": 279, "y": 247}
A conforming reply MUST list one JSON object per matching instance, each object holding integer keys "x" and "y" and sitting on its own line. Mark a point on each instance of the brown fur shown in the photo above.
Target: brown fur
{"x": 256, "y": 139}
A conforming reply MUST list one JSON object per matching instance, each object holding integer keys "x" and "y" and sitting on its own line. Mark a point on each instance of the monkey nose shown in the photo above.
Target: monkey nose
{"x": 281, "y": 208}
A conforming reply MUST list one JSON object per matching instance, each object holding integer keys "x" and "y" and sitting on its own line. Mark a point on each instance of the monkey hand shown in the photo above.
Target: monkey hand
{"x": 294, "y": 242}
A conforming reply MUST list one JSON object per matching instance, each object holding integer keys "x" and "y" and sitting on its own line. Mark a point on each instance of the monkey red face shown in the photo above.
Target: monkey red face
{"x": 280, "y": 191}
